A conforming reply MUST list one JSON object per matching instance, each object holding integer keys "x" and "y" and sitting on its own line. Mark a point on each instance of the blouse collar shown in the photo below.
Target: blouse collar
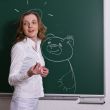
{"x": 32, "y": 43}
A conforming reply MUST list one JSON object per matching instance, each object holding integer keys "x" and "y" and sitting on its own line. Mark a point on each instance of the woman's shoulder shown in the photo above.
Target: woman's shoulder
{"x": 18, "y": 46}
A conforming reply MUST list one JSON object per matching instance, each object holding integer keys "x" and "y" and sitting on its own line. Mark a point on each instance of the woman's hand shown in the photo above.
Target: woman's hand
{"x": 34, "y": 70}
{"x": 38, "y": 69}
{"x": 44, "y": 71}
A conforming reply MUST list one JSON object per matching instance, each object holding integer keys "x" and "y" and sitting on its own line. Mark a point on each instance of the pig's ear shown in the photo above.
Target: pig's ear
{"x": 69, "y": 39}
{"x": 50, "y": 35}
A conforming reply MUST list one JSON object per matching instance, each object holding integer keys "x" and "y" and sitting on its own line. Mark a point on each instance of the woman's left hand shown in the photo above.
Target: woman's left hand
{"x": 44, "y": 72}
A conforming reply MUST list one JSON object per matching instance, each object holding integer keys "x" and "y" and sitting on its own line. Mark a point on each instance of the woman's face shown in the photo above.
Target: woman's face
{"x": 30, "y": 26}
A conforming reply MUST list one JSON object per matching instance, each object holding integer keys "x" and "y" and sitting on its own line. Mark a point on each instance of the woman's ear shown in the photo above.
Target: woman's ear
{"x": 50, "y": 35}
{"x": 69, "y": 39}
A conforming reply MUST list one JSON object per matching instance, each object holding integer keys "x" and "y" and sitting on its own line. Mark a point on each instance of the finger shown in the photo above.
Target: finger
{"x": 46, "y": 71}
{"x": 34, "y": 67}
{"x": 43, "y": 75}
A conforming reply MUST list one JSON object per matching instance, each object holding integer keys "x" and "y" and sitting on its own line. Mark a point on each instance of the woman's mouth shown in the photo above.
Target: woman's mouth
{"x": 30, "y": 31}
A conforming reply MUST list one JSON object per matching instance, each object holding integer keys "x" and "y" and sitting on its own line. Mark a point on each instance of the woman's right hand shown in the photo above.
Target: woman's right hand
{"x": 34, "y": 70}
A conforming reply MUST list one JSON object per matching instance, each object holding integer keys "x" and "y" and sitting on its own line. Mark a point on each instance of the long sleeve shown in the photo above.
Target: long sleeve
{"x": 17, "y": 58}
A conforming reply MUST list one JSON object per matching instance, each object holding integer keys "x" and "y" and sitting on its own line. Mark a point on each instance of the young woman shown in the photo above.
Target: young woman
{"x": 27, "y": 63}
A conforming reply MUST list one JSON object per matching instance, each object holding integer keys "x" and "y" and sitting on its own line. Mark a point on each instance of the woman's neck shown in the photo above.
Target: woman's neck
{"x": 34, "y": 39}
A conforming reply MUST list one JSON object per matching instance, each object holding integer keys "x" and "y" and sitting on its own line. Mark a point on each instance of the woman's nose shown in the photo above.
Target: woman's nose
{"x": 30, "y": 25}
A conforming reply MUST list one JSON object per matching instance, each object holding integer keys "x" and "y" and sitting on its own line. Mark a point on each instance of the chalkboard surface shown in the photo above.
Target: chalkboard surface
{"x": 73, "y": 50}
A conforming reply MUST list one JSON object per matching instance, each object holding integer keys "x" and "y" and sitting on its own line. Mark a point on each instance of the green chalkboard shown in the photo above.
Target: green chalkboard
{"x": 73, "y": 50}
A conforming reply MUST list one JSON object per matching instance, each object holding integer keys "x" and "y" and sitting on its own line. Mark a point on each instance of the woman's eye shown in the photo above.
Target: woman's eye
{"x": 34, "y": 22}
{"x": 25, "y": 24}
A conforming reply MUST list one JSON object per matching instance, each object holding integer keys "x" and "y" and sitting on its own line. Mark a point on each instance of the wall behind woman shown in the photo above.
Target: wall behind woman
{"x": 70, "y": 105}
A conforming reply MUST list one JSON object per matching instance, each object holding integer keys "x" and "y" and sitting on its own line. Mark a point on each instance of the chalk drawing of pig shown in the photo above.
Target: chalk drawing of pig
{"x": 60, "y": 50}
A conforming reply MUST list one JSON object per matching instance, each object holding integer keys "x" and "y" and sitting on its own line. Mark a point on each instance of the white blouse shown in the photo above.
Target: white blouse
{"x": 23, "y": 56}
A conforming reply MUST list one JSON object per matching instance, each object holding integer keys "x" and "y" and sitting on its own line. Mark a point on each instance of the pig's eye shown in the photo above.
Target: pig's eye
{"x": 60, "y": 44}
{"x": 49, "y": 42}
